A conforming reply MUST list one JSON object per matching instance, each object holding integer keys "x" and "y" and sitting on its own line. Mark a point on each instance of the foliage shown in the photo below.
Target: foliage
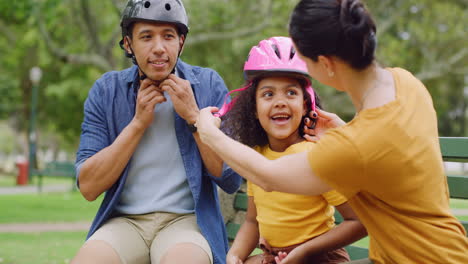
{"x": 75, "y": 41}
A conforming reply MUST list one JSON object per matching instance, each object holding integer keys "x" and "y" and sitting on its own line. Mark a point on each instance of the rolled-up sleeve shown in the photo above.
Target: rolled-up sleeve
{"x": 94, "y": 133}
{"x": 229, "y": 181}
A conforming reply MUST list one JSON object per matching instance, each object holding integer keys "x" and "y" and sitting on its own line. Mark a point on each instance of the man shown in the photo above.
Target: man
{"x": 139, "y": 145}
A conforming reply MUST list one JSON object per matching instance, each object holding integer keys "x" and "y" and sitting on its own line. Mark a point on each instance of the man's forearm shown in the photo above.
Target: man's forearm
{"x": 99, "y": 172}
{"x": 211, "y": 160}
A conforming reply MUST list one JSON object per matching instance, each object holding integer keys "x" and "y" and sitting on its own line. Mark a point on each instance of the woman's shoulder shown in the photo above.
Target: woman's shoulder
{"x": 301, "y": 146}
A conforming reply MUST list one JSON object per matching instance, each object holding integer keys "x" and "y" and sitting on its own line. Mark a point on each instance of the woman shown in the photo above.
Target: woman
{"x": 386, "y": 161}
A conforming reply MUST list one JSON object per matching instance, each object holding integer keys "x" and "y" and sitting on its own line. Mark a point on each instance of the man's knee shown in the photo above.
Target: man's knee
{"x": 185, "y": 253}
{"x": 96, "y": 251}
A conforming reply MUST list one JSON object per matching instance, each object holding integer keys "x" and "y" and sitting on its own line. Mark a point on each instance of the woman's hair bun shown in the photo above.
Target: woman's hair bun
{"x": 355, "y": 20}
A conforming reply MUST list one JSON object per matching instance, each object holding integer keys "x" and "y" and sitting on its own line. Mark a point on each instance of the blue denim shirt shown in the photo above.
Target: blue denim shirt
{"x": 110, "y": 107}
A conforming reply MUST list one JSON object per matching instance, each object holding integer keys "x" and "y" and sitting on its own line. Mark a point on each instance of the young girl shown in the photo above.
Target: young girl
{"x": 268, "y": 115}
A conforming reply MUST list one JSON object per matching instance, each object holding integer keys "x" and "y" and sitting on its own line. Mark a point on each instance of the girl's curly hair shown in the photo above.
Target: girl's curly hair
{"x": 241, "y": 123}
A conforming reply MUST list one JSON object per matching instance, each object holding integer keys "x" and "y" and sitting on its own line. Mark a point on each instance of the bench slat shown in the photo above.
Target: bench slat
{"x": 465, "y": 225}
{"x": 232, "y": 229}
{"x": 454, "y": 148}
{"x": 458, "y": 186}
{"x": 241, "y": 201}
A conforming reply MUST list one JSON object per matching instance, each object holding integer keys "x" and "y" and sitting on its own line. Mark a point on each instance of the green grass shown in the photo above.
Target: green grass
{"x": 47, "y": 207}
{"x": 459, "y": 203}
{"x": 7, "y": 180}
{"x": 40, "y": 248}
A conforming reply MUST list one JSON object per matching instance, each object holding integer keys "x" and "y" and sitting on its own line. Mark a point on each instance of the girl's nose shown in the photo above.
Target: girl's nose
{"x": 280, "y": 102}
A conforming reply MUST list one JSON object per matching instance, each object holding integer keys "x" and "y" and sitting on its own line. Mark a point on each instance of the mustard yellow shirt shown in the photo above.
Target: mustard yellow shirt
{"x": 287, "y": 219}
{"x": 387, "y": 162}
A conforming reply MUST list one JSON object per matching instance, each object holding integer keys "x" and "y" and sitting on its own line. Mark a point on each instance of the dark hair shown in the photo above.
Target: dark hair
{"x": 241, "y": 123}
{"x": 341, "y": 28}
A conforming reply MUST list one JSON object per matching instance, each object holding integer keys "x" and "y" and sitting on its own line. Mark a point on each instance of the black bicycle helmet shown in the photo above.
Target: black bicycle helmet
{"x": 166, "y": 11}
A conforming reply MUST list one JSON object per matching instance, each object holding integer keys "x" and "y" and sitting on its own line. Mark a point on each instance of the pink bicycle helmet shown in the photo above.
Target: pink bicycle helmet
{"x": 270, "y": 57}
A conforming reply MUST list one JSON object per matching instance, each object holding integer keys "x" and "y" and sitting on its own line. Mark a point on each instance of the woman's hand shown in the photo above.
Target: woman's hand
{"x": 325, "y": 121}
{"x": 207, "y": 123}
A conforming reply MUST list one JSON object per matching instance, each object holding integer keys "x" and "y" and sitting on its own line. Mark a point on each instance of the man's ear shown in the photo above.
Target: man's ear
{"x": 181, "y": 43}
{"x": 127, "y": 43}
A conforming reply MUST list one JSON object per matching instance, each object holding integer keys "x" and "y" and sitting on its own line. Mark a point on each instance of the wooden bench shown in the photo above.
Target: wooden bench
{"x": 453, "y": 149}
{"x": 60, "y": 169}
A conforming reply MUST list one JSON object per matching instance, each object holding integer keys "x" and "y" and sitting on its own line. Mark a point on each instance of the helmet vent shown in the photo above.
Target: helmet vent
{"x": 293, "y": 52}
{"x": 168, "y": 7}
{"x": 147, "y": 4}
{"x": 275, "y": 48}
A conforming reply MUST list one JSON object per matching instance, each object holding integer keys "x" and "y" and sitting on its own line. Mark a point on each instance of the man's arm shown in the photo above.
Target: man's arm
{"x": 185, "y": 105}
{"x": 100, "y": 171}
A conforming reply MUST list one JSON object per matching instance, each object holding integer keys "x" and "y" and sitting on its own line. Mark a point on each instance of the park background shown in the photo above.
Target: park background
{"x": 73, "y": 42}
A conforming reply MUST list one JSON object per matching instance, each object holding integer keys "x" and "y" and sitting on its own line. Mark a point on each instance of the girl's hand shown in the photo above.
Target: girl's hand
{"x": 230, "y": 259}
{"x": 281, "y": 257}
{"x": 296, "y": 256}
{"x": 207, "y": 123}
{"x": 325, "y": 121}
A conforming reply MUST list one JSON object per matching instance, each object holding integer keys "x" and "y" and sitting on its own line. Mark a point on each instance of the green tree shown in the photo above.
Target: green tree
{"x": 75, "y": 41}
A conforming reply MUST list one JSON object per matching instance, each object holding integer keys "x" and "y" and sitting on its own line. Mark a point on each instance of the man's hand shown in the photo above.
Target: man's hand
{"x": 148, "y": 96}
{"x": 182, "y": 97}
{"x": 325, "y": 121}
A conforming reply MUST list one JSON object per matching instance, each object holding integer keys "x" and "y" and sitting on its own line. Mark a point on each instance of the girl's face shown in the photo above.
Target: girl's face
{"x": 280, "y": 108}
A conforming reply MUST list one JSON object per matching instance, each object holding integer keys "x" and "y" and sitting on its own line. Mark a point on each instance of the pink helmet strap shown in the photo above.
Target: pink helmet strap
{"x": 227, "y": 106}
{"x": 312, "y": 96}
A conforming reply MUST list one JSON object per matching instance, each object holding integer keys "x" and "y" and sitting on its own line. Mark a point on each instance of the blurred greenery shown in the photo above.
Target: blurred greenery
{"x": 75, "y": 41}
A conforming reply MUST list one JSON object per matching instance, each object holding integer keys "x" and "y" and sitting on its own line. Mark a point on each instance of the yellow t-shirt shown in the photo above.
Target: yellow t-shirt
{"x": 287, "y": 219}
{"x": 387, "y": 162}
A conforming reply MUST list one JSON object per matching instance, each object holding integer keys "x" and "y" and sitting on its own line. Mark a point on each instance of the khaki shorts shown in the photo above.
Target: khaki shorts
{"x": 146, "y": 238}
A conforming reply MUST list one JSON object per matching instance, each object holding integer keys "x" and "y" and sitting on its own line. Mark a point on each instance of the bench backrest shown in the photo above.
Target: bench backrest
{"x": 59, "y": 168}
{"x": 456, "y": 149}
{"x": 453, "y": 149}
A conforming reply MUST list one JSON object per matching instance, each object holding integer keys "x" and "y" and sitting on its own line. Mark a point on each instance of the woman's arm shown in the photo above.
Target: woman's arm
{"x": 291, "y": 173}
{"x": 247, "y": 236}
